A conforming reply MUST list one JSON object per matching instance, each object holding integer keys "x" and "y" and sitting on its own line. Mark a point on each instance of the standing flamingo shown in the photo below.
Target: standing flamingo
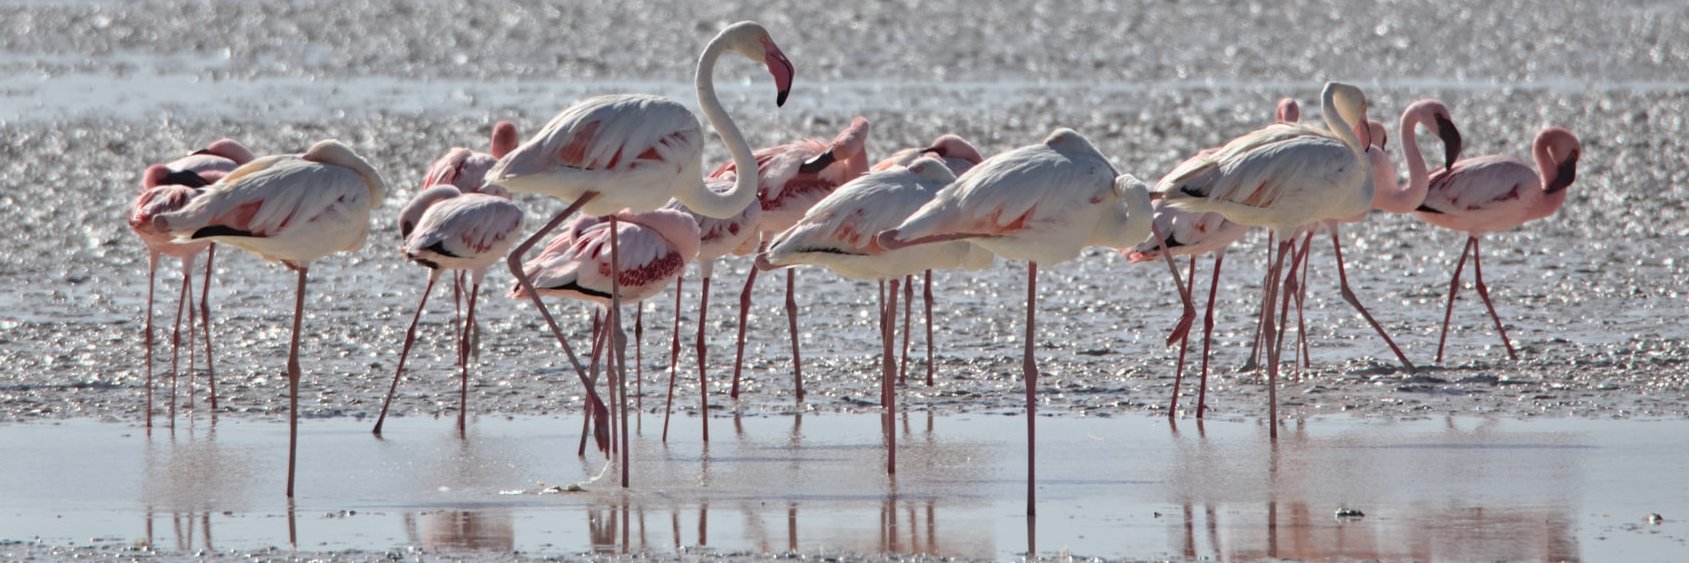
{"x": 1043, "y": 204}
{"x": 959, "y": 156}
{"x": 166, "y": 188}
{"x": 447, "y": 229}
{"x": 1493, "y": 193}
{"x": 718, "y": 237}
{"x": 631, "y": 151}
{"x": 1194, "y": 234}
{"x": 1283, "y": 177}
{"x": 838, "y": 232}
{"x": 288, "y": 208}
{"x": 1387, "y": 195}
{"x": 654, "y": 248}
{"x": 791, "y": 178}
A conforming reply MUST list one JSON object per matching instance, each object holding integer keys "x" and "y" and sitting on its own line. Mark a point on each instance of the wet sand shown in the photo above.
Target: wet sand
{"x": 1594, "y": 297}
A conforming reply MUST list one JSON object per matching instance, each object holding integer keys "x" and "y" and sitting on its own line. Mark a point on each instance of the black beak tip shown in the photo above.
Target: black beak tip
{"x": 780, "y": 100}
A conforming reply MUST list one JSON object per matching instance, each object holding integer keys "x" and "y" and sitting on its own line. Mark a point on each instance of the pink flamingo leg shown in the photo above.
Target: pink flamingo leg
{"x": 457, "y": 309}
{"x": 619, "y": 343}
{"x": 1301, "y": 298}
{"x": 1270, "y": 330}
{"x": 703, "y": 379}
{"x": 1029, "y": 371}
{"x": 1183, "y": 327}
{"x": 1260, "y": 314}
{"x": 463, "y": 361}
{"x": 908, "y": 305}
{"x": 182, "y": 298}
{"x": 739, "y": 344}
{"x": 888, "y": 387}
{"x": 1298, "y": 258}
{"x": 205, "y": 323}
{"x": 193, "y": 313}
{"x": 926, "y": 295}
{"x": 405, "y": 351}
{"x": 792, "y": 324}
{"x": 293, "y": 379}
{"x": 674, "y": 358}
{"x": 1349, "y": 295}
{"x": 515, "y": 263}
{"x": 597, "y": 347}
{"x": 1179, "y": 371}
{"x": 1484, "y": 292}
{"x": 638, "y": 365}
{"x": 152, "y": 277}
{"x": 1454, "y": 287}
{"x": 1208, "y": 335}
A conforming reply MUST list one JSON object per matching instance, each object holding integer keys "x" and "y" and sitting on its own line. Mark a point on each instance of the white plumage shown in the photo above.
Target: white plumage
{"x": 839, "y": 231}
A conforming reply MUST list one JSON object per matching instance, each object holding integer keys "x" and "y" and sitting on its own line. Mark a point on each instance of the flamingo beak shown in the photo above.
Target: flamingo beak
{"x": 1564, "y": 175}
{"x": 817, "y": 164}
{"x": 782, "y": 70}
{"x": 185, "y": 178}
{"x": 1451, "y": 140}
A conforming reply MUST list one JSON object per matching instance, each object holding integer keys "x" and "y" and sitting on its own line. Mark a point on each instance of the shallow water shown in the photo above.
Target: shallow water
{"x": 1449, "y": 488}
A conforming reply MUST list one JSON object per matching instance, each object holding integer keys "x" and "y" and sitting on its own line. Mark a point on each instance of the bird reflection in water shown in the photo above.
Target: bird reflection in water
{"x": 462, "y": 530}
{"x": 1305, "y": 479}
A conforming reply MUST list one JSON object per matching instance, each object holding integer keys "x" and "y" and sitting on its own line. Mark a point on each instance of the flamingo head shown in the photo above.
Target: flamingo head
{"x": 1372, "y": 134}
{"x": 161, "y": 175}
{"x": 956, "y": 151}
{"x": 1288, "y": 111}
{"x": 228, "y": 148}
{"x": 1435, "y": 115}
{"x": 849, "y": 147}
{"x": 1563, "y": 149}
{"x": 932, "y": 171}
{"x": 504, "y": 138}
{"x": 413, "y": 211}
{"x": 751, "y": 40}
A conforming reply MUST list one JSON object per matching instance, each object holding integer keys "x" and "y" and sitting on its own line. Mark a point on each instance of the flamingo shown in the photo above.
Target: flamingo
{"x": 1194, "y": 234}
{"x": 1492, "y": 193}
{"x": 467, "y": 169}
{"x": 631, "y": 151}
{"x": 447, "y": 229}
{"x": 838, "y": 232}
{"x": 654, "y": 248}
{"x": 1283, "y": 177}
{"x": 482, "y": 221}
{"x": 1387, "y": 195}
{"x": 168, "y": 187}
{"x": 735, "y": 235}
{"x": 791, "y": 178}
{"x": 1041, "y": 203}
{"x": 959, "y": 156}
{"x": 292, "y": 209}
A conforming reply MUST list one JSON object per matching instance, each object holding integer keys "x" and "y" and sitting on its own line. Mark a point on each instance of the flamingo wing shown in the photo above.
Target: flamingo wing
{"x": 470, "y": 226}
{"x": 271, "y": 195}
{"x": 1255, "y": 170}
{"x": 997, "y": 197}
{"x": 1480, "y": 186}
{"x": 846, "y": 221}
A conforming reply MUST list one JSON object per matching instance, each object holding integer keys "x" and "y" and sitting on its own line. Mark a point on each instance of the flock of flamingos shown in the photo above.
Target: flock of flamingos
{"x": 632, "y": 165}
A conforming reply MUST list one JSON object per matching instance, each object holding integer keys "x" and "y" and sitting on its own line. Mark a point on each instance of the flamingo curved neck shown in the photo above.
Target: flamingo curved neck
{"x": 1547, "y": 172}
{"x": 694, "y": 194}
{"x": 1344, "y": 131}
{"x": 1404, "y": 200}
{"x": 1340, "y": 127}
